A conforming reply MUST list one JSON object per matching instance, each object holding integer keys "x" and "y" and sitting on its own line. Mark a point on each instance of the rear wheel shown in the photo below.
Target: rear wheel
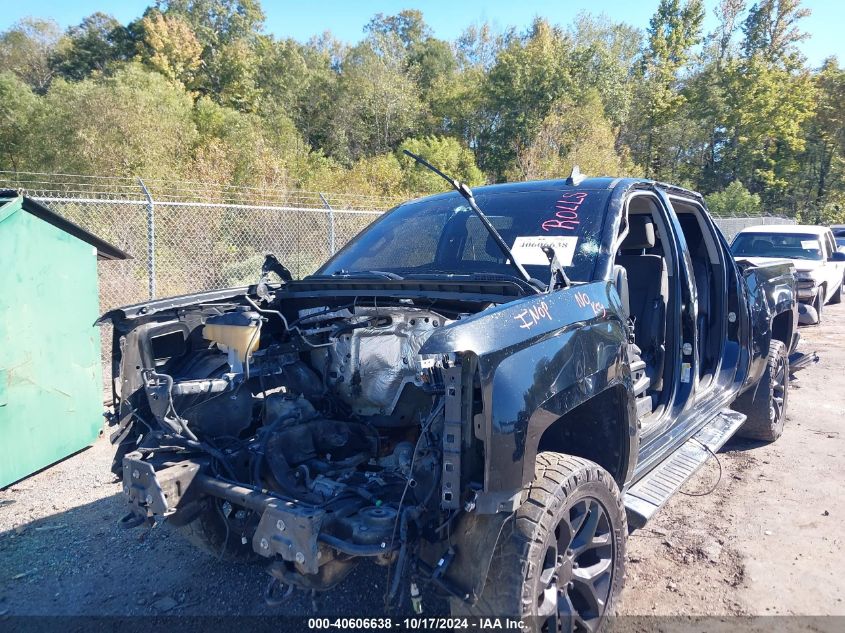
{"x": 765, "y": 404}
{"x": 560, "y": 566}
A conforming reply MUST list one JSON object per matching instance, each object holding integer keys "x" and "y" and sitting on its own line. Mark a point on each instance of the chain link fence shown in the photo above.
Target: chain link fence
{"x": 733, "y": 225}
{"x": 186, "y": 237}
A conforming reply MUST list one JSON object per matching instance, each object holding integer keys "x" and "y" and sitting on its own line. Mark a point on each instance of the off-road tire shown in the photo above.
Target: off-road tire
{"x": 562, "y": 485}
{"x": 837, "y": 296}
{"x": 765, "y": 404}
{"x": 208, "y": 532}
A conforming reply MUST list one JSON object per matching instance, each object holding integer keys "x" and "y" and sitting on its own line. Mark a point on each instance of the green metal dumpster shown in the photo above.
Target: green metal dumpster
{"x": 51, "y": 390}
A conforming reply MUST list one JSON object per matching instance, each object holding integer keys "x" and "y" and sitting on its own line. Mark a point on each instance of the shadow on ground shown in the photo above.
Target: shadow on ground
{"x": 78, "y": 562}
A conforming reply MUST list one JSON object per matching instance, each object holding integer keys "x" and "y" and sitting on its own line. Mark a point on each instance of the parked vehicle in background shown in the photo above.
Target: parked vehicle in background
{"x": 819, "y": 265}
{"x": 839, "y": 235}
{"x": 480, "y": 396}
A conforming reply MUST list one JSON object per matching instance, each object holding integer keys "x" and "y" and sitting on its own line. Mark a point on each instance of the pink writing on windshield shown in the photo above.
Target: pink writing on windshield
{"x": 566, "y": 212}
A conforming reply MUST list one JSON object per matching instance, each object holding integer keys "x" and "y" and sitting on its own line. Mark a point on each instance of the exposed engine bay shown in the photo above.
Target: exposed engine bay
{"x": 312, "y": 437}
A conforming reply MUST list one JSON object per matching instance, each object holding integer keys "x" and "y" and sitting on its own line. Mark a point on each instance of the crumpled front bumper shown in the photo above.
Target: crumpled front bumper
{"x": 286, "y": 528}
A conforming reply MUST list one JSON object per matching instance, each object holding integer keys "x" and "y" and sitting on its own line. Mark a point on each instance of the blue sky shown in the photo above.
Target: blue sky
{"x": 345, "y": 18}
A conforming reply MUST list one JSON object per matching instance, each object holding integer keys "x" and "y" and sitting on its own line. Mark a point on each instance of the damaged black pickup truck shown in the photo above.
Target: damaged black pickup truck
{"x": 484, "y": 392}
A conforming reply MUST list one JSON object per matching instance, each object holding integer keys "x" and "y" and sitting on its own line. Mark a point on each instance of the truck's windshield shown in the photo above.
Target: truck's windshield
{"x": 786, "y": 245}
{"x": 442, "y": 235}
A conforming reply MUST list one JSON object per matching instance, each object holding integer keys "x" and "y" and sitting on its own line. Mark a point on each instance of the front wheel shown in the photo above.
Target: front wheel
{"x": 560, "y": 564}
{"x": 211, "y": 531}
{"x": 765, "y": 404}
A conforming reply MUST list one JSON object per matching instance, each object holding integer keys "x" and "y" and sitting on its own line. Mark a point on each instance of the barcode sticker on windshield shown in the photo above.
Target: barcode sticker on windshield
{"x": 809, "y": 244}
{"x": 528, "y": 251}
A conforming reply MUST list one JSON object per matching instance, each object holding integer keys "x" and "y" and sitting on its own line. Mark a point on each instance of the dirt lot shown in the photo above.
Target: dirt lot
{"x": 768, "y": 540}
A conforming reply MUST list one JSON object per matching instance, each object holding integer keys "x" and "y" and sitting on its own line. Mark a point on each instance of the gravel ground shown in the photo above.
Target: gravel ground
{"x": 768, "y": 540}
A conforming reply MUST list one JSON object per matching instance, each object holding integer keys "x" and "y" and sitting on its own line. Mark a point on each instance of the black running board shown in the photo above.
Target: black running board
{"x": 647, "y": 496}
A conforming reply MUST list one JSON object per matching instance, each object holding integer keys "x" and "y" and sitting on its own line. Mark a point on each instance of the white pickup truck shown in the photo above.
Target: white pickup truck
{"x": 819, "y": 266}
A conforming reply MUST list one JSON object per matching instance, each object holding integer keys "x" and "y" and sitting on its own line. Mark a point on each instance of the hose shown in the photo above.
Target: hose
{"x": 285, "y": 323}
{"x": 177, "y": 424}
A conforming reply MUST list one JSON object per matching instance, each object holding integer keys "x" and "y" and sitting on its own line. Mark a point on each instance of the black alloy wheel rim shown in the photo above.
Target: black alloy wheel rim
{"x": 780, "y": 390}
{"x": 577, "y": 570}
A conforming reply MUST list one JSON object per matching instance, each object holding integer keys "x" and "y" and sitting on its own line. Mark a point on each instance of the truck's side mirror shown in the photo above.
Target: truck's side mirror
{"x": 838, "y": 256}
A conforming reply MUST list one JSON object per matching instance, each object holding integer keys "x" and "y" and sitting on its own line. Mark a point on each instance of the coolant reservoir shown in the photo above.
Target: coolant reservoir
{"x": 237, "y": 333}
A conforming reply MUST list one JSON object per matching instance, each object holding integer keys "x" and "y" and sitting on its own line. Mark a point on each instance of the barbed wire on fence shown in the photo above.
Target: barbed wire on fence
{"x": 38, "y": 184}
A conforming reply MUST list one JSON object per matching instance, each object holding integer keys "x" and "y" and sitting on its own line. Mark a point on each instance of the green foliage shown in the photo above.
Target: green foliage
{"x": 241, "y": 273}
{"x": 673, "y": 31}
{"x": 734, "y": 200}
{"x": 17, "y": 106}
{"x": 196, "y": 88}
{"x": 91, "y": 46}
{"x": 377, "y": 104}
{"x": 170, "y": 46}
{"x": 831, "y": 211}
{"x": 134, "y": 122}
{"x": 26, "y": 48}
{"x": 766, "y": 107}
{"x": 604, "y": 53}
{"x": 574, "y": 133}
{"x": 217, "y": 22}
{"x": 444, "y": 152}
{"x": 771, "y": 30}
{"x": 530, "y": 75}
{"x": 822, "y": 165}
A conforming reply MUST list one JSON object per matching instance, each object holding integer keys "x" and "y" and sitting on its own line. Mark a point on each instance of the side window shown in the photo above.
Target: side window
{"x": 831, "y": 244}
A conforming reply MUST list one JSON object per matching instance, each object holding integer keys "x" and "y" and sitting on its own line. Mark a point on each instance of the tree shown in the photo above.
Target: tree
{"x": 26, "y": 48}
{"x": 228, "y": 31}
{"x": 604, "y": 52}
{"x": 704, "y": 111}
{"x": 446, "y": 154}
{"x": 17, "y": 107}
{"x": 673, "y": 31}
{"x": 217, "y": 22}
{"x": 721, "y": 41}
{"x": 823, "y": 162}
{"x": 430, "y": 62}
{"x": 767, "y": 101}
{"x": 169, "y": 46}
{"x": 133, "y": 122}
{"x": 91, "y": 46}
{"x": 771, "y": 30}
{"x": 529, "y": 76}
{"x": 766, "y": 109}
{"x": 377, "y": 104}
{"x": 196, "y": 87}
{"x": 479, "y": 45}
{"x": 408, "y": 27}
{"x": 735, "y": 200}
{"x": 232, "y": 73}
{"x": 576, "y": 132}
{"x": 240, "y": 148}
{"x": 298, "y": 80}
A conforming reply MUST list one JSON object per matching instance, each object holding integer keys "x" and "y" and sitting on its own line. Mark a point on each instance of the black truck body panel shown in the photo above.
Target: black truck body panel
{"x": 533, "y": 357}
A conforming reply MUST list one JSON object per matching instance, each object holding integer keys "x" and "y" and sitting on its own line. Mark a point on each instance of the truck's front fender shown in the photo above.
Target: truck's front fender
{"x": 538, "y": 358}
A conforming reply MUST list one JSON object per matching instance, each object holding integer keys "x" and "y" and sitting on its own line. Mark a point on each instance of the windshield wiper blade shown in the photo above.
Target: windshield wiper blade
{"x": 466, "y": 192}
{"x": 366, "y": 273}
